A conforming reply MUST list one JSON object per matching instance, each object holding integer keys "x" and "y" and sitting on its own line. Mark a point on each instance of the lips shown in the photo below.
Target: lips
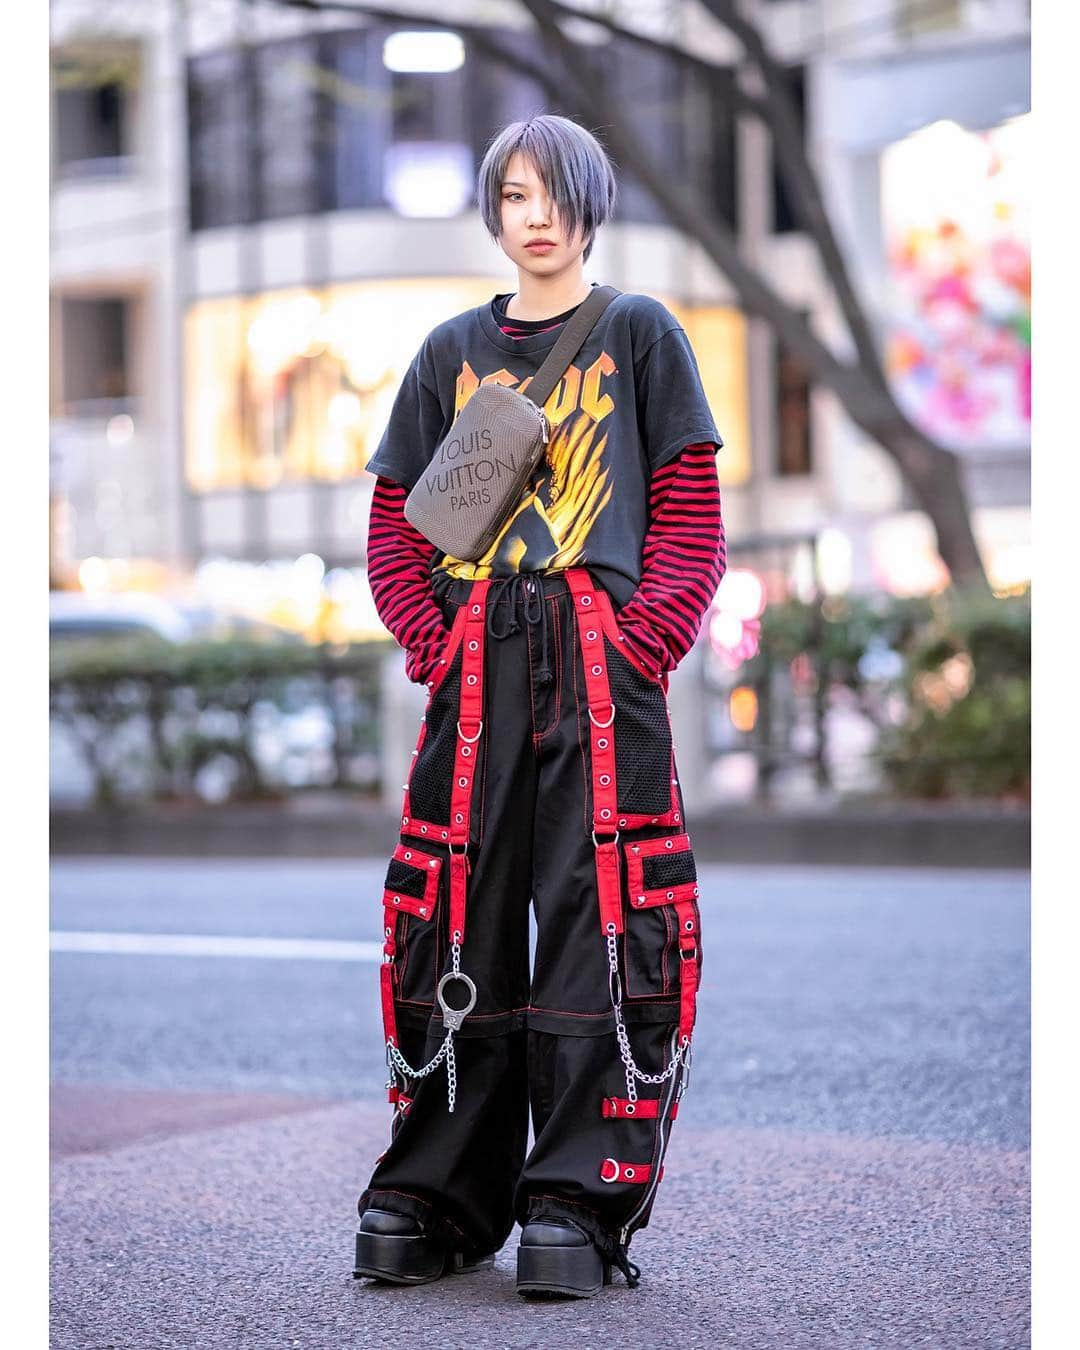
{"x": 540, "y": 244}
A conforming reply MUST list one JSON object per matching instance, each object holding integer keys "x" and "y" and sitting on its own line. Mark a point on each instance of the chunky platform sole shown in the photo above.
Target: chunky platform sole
{"x": 567, "y": 1272}
{"x": 410, "y": 1260}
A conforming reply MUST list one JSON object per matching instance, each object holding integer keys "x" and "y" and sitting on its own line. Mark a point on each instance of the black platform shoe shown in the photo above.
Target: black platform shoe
{"x": 394, "y": 1248}
{"x": 557, "y": 1259}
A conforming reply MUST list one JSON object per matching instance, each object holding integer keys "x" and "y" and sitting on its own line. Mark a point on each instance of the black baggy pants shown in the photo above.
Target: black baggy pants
{"x": 543, "y": 771}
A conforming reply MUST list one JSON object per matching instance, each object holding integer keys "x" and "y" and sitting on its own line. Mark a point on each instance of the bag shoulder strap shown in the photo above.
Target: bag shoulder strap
{"x": 569, "y": 343}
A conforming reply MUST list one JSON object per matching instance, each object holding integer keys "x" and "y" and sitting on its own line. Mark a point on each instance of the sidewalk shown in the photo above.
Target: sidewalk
{"x": 328, "y": 825}
{"x": 240, "y": 1235}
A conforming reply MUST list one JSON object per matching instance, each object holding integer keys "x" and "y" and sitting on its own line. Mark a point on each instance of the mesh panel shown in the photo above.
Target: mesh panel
{"x": 405, "y": 879}
{"x": 432, "y": 775}
{"x": 664, "y": 870}
{"x": 642, "y": 738}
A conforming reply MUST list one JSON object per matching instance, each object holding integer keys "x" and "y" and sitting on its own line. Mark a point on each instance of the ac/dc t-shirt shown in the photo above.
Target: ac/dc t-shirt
{"x": 629, "y": 402}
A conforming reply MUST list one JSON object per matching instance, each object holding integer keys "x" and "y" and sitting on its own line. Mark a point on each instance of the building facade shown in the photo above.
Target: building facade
{"x": 258, "y": 214}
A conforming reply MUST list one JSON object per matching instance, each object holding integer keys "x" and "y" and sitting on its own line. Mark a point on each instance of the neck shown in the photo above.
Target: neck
{"x": 544, "y": 297}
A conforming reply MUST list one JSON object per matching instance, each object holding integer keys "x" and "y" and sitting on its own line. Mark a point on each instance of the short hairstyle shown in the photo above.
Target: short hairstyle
{"x": 570, "y": 161}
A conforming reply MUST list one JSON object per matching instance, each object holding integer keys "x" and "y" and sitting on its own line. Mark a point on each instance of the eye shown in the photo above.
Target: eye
{"x": 508, "y": 195}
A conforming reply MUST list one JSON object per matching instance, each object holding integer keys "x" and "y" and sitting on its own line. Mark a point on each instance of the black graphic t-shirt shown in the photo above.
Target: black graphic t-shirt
{"x": 629, "y": 402}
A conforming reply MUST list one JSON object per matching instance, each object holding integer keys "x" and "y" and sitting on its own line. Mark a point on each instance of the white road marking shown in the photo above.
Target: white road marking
{"x": 198, "y": 944}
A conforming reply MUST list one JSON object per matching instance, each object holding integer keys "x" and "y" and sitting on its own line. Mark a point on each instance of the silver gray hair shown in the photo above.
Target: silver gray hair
{"x": 570, "y": 161}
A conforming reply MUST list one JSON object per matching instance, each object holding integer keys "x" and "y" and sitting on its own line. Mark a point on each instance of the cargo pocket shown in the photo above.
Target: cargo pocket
{"x": 661, "y": 896}
{"x": 641, "y": 728}
{"x": 411, "y": 901}
{"x": 431, "y": 778}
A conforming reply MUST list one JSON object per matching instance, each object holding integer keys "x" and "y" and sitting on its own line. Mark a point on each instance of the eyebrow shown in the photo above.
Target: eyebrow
{"x": 512, "y": 182}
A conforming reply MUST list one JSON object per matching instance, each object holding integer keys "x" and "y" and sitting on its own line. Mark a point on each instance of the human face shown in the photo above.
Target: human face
{"x": 528, "y": 214}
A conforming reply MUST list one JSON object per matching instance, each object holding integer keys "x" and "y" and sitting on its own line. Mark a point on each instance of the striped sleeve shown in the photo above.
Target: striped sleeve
{"x": 398, "y": 558}
{"x": 684, "y": 557}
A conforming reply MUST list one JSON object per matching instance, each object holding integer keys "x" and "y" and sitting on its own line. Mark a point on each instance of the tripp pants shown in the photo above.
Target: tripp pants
{"x": 543, "y": 772}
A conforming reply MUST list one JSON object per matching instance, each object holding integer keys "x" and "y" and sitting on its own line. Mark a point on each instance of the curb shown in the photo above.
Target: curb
{"x": 900, "y": 835}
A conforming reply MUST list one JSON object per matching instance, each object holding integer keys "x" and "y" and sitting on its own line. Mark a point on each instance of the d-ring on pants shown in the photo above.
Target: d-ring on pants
{"x": 543, "y": 770}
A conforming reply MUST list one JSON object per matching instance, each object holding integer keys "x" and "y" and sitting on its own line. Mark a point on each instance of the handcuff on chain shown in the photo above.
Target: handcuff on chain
{"x": 452, "y": 1020}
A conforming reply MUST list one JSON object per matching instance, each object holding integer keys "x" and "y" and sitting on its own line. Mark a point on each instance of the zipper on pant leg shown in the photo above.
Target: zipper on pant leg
{"x": 663, "y": 1120}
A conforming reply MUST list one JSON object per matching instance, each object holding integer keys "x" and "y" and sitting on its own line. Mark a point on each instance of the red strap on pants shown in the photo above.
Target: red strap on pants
{"x": 636, "y": 1173}
{"x": 645, "y": 1108}
{"x": 469, "y": 728}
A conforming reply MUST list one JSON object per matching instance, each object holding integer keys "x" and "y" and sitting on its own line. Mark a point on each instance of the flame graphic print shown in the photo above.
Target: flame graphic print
{"x": 552, "y": 520}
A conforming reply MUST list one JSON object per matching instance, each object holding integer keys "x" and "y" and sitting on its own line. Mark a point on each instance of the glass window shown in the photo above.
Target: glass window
{"x": 709, "y": 129}
{"x": 219, "y": 156}
{"x": 93, "y": 350}
{"x": 650, "y": 84}
{"x": 784, "y": 218}
{"x": 793, "y": 444}
{"x": 357, "y": 118}
{"x": 93, "y": 96}
{"x": 286, "y": 81}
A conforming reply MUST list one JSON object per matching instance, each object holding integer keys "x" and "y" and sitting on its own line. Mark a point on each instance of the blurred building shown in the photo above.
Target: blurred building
{"x": 258, "y": 214}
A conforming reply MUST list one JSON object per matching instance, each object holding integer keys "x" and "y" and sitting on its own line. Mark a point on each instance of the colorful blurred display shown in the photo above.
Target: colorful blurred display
{"x": 955, "y": 207}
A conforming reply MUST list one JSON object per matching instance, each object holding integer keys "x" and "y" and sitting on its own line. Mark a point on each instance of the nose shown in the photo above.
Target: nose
{"x": 539, "y": 214}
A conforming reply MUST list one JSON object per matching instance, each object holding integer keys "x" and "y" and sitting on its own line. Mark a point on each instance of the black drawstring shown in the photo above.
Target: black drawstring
{"x": 528, "y": 588}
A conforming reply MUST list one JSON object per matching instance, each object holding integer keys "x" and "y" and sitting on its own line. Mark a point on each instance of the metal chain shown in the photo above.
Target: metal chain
{"x": 395, "y": 1060}
{"x": 621, "y": 1035}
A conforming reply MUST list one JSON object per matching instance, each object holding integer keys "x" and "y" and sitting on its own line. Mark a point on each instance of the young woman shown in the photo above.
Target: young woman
{"x": 544, "y": 770}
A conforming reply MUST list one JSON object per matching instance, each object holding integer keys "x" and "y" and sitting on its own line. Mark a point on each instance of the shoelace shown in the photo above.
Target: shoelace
{"x": 620, "y": 1258}
{"x": 535, "y": 610}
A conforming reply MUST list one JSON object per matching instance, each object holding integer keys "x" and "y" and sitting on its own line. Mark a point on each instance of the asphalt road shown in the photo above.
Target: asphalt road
{"x": 849, "y": 1168}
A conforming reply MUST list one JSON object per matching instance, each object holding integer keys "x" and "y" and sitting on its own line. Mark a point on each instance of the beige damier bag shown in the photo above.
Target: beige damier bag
{"x": 479, "y": 470}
